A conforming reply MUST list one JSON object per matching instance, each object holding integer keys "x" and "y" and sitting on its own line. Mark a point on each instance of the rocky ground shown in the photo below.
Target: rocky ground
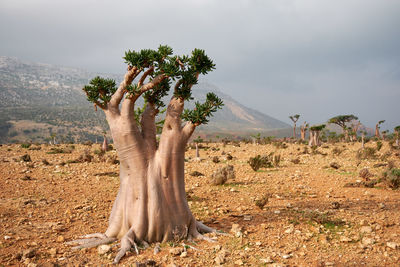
{"x": 311, "y": 210}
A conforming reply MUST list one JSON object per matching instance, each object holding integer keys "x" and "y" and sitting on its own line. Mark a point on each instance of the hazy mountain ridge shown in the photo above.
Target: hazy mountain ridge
{"x": 44, "y": 93}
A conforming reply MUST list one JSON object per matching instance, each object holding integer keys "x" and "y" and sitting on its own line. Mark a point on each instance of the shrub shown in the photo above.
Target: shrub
{"x": 337, "y": 151}
{"x": 220, "y": 176}
{"x": 25, "y": 145}
{"x": 364, "y": 173}
{"x": 392, "y": 178}
{"x": 378, "y": 145}
{"x": 215, "y": 159}
{"x": 263, "y": 201}
{"x": 260, "y": 162}
{"x": 366, "y": 153}
{"x": 26, "y": 158}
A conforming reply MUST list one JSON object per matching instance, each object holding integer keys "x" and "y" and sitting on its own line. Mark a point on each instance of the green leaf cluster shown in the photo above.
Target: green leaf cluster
{"x": 317, "y": 127}
{"x": 201, "y": 113}
{"x": 181, "y": 70}
{"x": 100, "y": 90}
{"x": 341, "y": 120}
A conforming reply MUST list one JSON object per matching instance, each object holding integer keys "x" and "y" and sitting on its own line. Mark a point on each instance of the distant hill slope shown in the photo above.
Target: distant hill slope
{"x": 37, "y": 100}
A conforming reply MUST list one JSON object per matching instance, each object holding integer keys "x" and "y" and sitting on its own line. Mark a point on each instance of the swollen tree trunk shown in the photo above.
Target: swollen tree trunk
{"x": 197, "y": 151}
{"x": 303, "y": 130}
{"x": 377, "y": 134}
{"x": 311, "y": 138}
{"x": 314, "y": 138}
{"x": 104, "y": 146}
{"x": 362, "y": 140}
{"x": 151, "y": 204}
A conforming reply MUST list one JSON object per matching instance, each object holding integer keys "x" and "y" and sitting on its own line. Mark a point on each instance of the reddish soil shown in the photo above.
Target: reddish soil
{"x": 309, "y": 219}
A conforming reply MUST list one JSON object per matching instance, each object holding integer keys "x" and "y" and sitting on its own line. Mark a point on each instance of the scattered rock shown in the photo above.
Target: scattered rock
{"x": 335, "y": 165}
{"x": 183, "y": 254}
{"x": 345, "y": 239}
{"x": 366, "y": 241}
{"x": 103, "y": 249}
{"x": 176, "y": 251}
{"x": 196, "y": 174}
{"x": 239, "y": 262}
{"x": 236, "y": 230}
{"x": 392, "y": 245}
{"x": 157, "y": 249}
{"x": 366, "y": 230}
{"x": 267, "y": 260}
{"x": 53, "y": 252}
{"x": 60, "y": 239}
{"x": 28, "y": 253}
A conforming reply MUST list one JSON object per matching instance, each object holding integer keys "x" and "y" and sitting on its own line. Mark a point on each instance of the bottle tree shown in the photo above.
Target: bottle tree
{"x": 151, "y": 204}
{"x": 294, "y": 118}
{"x": 397, "y": 131}
{"x": 377, "y": 127}
{"x": 314, "y": 135}
{"x": 303, "y": 130}
{"x": 342, "y": 121}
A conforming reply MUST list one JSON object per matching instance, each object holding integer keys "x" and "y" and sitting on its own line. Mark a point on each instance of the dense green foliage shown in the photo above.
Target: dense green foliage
{"x": 165, "y": 68}
{"x": 317, "y": 127}
{"x": 341, "y": 120}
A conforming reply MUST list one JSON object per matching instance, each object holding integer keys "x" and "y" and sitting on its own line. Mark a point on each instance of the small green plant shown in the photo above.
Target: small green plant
{"x": 366, "y": 153}
{"x": 259, "y": 161}
{"x": 392, "y": 178}
{"x": 337, "y": 151}
{"x": 25, "y": 145}
{"x": 378, "y": 145}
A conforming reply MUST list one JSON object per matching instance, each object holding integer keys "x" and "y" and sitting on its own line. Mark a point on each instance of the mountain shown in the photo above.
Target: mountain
{"x": 37, "y": 100}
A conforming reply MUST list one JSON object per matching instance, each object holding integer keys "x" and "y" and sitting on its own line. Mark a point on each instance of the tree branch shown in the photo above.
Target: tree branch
{"x": 173, "y": 116}
{"x": 188, "y": 130}
{"x": 130, "y": 75}
{"x": 144, "y": 76}
{"x": 149, "y": 129}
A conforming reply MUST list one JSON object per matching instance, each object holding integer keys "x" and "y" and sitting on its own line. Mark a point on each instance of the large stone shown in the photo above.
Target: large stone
{"x": 392, "y": 245}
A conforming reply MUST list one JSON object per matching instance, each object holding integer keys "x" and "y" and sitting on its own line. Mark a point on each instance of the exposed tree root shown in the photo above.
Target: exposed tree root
{"x": 202, "y": 228}
{"x": 127, "y": 241}
{"x": 91, "y": 242}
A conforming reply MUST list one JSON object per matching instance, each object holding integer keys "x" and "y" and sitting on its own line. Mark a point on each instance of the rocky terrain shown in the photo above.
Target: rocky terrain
{"x": 312, "y": 208}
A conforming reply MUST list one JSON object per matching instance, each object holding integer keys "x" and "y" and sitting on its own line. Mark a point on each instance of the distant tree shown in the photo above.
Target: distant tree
{"x": 363, "y": 133}
{"x": 342, "y": 121}
{"x": 397, "y": 131}
{"x": 354, "y": 128}
{"x": 294, "y": 118}
{"x": 151, "y": 204}
{"x": 303, "y": 130}
{"x": 104, "y": 146}
{"x": 384, "y": 133}
{"x": 377, "y": 127}
{"x": 197, "y": 141}
{"x": 314, "y": 135}
{"x": 53, "y": 138}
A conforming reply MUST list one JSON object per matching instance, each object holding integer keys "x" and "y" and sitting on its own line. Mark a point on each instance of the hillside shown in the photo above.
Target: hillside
{"x": 37, "y": 100}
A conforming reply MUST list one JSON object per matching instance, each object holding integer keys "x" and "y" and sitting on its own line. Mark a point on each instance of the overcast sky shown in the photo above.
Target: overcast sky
{"x": 316, "y": 58}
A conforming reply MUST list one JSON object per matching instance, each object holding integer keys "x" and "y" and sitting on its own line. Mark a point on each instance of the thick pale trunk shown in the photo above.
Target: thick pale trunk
{"x": 314, "y": 139}
{"x": 104, "y": 146}
{"x": 151, "y": 204}
{"x": 377, "y": 134}
{"x": 294, "y": 131}
{"x": 362, "y": 140}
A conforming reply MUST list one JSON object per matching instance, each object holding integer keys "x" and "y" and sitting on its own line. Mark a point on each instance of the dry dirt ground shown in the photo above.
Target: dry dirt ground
{"x": 309, "y": 219}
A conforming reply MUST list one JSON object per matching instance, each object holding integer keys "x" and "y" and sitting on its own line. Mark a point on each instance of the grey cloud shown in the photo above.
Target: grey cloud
{"x": 318, "y": 58}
